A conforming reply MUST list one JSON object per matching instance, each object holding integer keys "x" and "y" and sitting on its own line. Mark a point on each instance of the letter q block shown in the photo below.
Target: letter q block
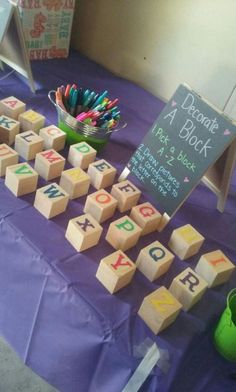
{"x": 127, "y": 195}
{"x": 53, "y": 137}
{"x": 101, "y": 205}
{"x": 31, "y": 121}
{"x": 123, "y": 233}
{"x": 101, "y": 173}
{"x": 9, "y": 128}
{"x": 51, "y": 200}
{"x": 21, "y": 179}
{"x": 8, "y": 157}
{"x": 12, "y": 107}
{"x": 75, "y": 182}
{"x": 81, "y": 155}
{"x": 49, "y": 164}
{"x": 28, "y": 144}
{"x": 185, "y": 241}
{"x": 147, "y": 217}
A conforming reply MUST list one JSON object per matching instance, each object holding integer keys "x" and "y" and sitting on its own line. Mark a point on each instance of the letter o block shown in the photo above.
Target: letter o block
{"x": 53, "y": 137}
{"x": 21, "y": 179}
{"x": 8, "y": 157}
{"x": 101, "y": 205}
{"x": 28, "y": 144}
{"x": 12, "y": 107}
{"x": 49, "y": 164}
{"x": 123, "y": 233}
{"x": 127, "y": 195}
{"x": 75, "y": 182}
{"x": 81, "y": 155}
{"x": 31, "y": 121}
{"x": 9, "y": 128}
{"x": 185, "y": 241}
{"x": 101, "y": 173}
{"x": 51, "y": 200}
{"x": 146, "y": 216}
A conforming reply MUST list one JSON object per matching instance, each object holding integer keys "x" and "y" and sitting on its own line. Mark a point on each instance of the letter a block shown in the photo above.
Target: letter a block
{"x": 83, "y": 232}
{"x": 154, "y": 260}
{"x": 51, "y": 200}
{"x": 31, "y": 121}
{"x": 101, "y": 173}
{"x": 123, "y": 233}
{"x": 147, "y": 217}
{"x": 81, "y": 155}
{"x": 215, "y": 268}
{"x": 8, "y": 157}
{"x": 101, "y": 205}
{"x": 115, "y": 271}
{"x": 127, "y": 195}
{"x": 75, "y": 182}
{"x": 53, "y": 137}
{"x": 159, "y": 309}
{"x": 9, "y": 128}
{"x": 188, "y": 287}
{"x": 28, "y": 144}
{"x": 12, "y": 107}
{"x": 49, "y": 164}
{"x": 21, "y": 179}
{"x": 185, "y": 241}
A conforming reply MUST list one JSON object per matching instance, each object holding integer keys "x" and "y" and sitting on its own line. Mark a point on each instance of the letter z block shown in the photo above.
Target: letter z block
{"x": 102, "y": 174}
{"x": 123, "y": 233}
{"x": 185, "y": 241}
{"x": 49, "y": 164}
{"x": 101, "y": 205}
{"x": 8, "y": 157}
{"x": 9, "y": 128}
{"x": 28, "y": 144}
{"x": 53, "y": 137}
{"x": 147, "y": 217}
{"x": 75, "y": 182}
{"x": 51, "y": 200}
{"x": 21, "y": 179}
{"x": 31, "y": 121}
{"x": 12, "y": 107}
{"x": 127, "y": 195}
{"x": 81, "y": 155}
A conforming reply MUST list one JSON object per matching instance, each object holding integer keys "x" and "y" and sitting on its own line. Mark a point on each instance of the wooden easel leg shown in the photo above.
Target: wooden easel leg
{"x": 164, "y": 221}
{"x": 124, "y": 174}
{"x": 1, "y": 66}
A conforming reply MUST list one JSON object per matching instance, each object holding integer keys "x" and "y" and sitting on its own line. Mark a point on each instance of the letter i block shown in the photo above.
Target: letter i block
{"x": 101, "y": 173}
{"x": 8, "y": 157}
{"x": 188, "y": 287}
{"x": 28, "y": 144}
{"x": 53, "y": 137}
{"x": 12, "y": 107}
{"x": 215, "y": 268}
{"x": 75, "y": 182}
{"x": 49, "y": 164}
{"x": 21, "y": 179}
{"x": 31, "y": 121}
{"x": 83, "y": 232}
{"x": 185, "y": 241}
{"x": 9, "y": 128}
{"x": 51, "y": 200}
{"x": 147, "y": 217}
{"x": 154, "y": 260}
{"x": 159, "y": 309}
{"x": 81, "y": 155}
{"x": 127, "y": 195}
{"x": 115, "y": 271}
{"x": 101, "y": 205}
{"x": 123, "y": 233}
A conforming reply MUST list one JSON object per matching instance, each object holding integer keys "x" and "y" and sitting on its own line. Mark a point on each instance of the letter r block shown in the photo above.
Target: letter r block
{"x": 185, "y": 241}
{"x": 127, "y": 195}
{"x": 146, "y": 216}
{"x": 123, "y": 233}
{"x": 53, "y": 137}
{"x": 49, "y": 164}
{"x": 12, "y": 107}
{"x": 101, "y": 173}
{"x": 31, "y": 121}
{"x": 101, "y": 205}
{"x": 8, "y": 157}
{"x": 21, "y": 179}
{"x": 81, "y": 155}
{"x": 51, "y": 200}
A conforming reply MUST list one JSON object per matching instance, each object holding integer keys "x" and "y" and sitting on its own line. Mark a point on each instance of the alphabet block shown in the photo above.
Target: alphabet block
{"x": 188, "y": 287}
{"x": 12, "y": 107}
{"x": 215, "y": 268}
{"x": 51, "y": 200}
{"x": 123, "y": 233}
{"x": 31, "y": 121}
{"x": 154, "y": 260}
{"x": 101, "y": 173}
{"x": 81, "y": 155}
{"x": 115, "y": 271}
{"x": 159, "y": 309}
{"x": 185, "y": 241}
{"x": 49, "y": 164}
{"x": 53, "y": 137}
{"x": 28, "y": 144}
{"x": 127, "y": 195}
{"x": 83, "y": 232}
{"x": 146, "y": 216}
{"x": 8, "y": 157}
{"x": 21, "y": 179}
{"x": 75, "y": 182}
{"x": 101, "y": 205}
{"x": 9, "y": 128}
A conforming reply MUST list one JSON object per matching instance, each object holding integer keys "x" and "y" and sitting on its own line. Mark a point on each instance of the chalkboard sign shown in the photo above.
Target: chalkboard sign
{"x": 185, "y": 140}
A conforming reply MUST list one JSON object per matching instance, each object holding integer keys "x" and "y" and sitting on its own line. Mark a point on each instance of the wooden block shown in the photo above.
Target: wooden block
{"x": 123, "y": 233}
{"x": 31, "y": 121}
{"x": 146, "y": 216}
{"x": 101, "y": 173}
{"x": 51, "y": 200}
{"x": 12, "y": 107}
{"x": 8, "y": 157}
{"x": 53, "y": 137}
{"x": 81, "y": 155}
{"x": 28, "y": 144}
{"x": 159, "y": 309}
{"x": 154, "y": 260}
{"x": 75, "y": 182}
{"x": 188, "y": 287}
{"x": 49, "y": 164}
{"x": 115, "y": 271}
{"x": 101, "y": 205}
{"x": 127, "y": 195}
{"x": 215, "y": 268}
{"x": 9, "y": 128}
{"x": 21, "y": 179}
{"x": 185, "y": 241}
{"x": 83, "y": 232}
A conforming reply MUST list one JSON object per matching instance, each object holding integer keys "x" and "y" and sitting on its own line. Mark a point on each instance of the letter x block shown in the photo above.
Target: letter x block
{"x": 51, "y": 200}
{"x": 115, "y": 271}
{"x": 28, "y": 144}
{"x": 83, "y": 232}
{"x": 127, "y": 195}
{"x": 21, "y": 179}
{"x": 101, "y": 173}
{"x": 101, "y": 205}
{"x": 185, "y": 241}
{"x": 81, "y": 155}
{"x": 31, "y": 121}
{"x": 215, "y": 268}
{"x": 159, "y": 309}
{"x": 53, "y": 137}
{"x": 8, "y": 157}
{"x": 147, "y": 217}
{"x": 188, "y": 287}
{"x": 75, "y": 182}
{"x": 49, "y": 164}
{"x": 12, "y": 107}
{"x": 9, "y": 128}
{"x": 123, "y": 233}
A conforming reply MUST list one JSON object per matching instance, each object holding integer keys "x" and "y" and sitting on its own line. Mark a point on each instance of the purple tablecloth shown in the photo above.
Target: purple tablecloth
{"x": 54, "y": 312}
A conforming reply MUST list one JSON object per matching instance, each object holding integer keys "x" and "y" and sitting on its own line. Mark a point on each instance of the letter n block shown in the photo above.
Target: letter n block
{"x": 51, "y": 200}
{"x": 127, "y": 195}
{"x": 8, "y": 157}
{"x": 53, "y": 137}
{"x": 185, "y": 241}
{"x": 12, "y": 107}
{"x": 28, "y": 144}
{"x": 154, "y": 260}
{"x": 9, "y": 128}
{"x": 159, "y": 309}
{"x": 215, "y": 268}
{"x": 81, "y": 155}
{"x": 21, "y": 179}
{"x": 147, "y": 217}
{"x": 49, "y": 164}
{"x": 101, "y": 173}
{"x": 31, "y": 121}
{"x": 123, "y": 233}
{"x": 75, "y": 182}
{"x": 115, "y": 271}
{"x": 188, "y": 287}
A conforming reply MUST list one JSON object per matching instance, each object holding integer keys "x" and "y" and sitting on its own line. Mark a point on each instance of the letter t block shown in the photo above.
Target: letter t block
{"x": 185, "y": 241}
{"x": 123, "y": 233}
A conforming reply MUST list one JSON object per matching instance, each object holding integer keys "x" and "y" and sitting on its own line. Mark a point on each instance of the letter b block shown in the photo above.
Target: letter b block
{"x": 123, "y": 233}
{"x": 81, "y": 155}
{"x": 101, "y": 205}
{"x": 8, "y": 157}
{"x": 127, "y": 195}
{"x": 101, "y": 173}
{"x": 28, "y": 144}
{"x": 185, "y": 241}
{"x": 51, "y": 200}
{"x": 31, "y": 121}
{"x": 9, "y": 128}
{"x": 147, "y": 217}
{"x": 53, "y": 137}
{"x": 75, "y": 182}
{"x": 49, "y": 164}
{"x": 21, "y": 179}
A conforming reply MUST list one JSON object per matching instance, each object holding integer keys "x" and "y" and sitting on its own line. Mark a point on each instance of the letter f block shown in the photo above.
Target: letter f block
{"x": 123, "y": 233}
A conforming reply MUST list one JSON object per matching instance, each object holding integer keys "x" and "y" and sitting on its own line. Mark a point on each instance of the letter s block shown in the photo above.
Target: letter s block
{"x": 185, "y": 241}
{"x": 8, "y": 157}
{"x": 51, "y": 200}
{"x": 21, "y": 179}
{"x": 101, "y": 173}
{"x": 31, "y": 121}
{"x": 146, "y": 216}
{"x": 81, "y": 155}
{"x": 12, "y": 107}
{"x": 53, "y": 137}
{"x": 49, "y": 164}
{"x": 28, "y": 144}
{"x": 123, "y": 233}
{"x": 127, "y": 195}
{"x": 9, "y": 128}
{"x": 101, "y": 205}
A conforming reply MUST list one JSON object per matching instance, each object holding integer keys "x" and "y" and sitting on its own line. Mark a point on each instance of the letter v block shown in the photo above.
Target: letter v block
{"x": 49, "y": 164}
{"x": 123, "y": 233}
{"x": 81, "y": 155}
{"x": 147, "y": 217}
{"x": 21, "y": 179}
{"x": 28, "y": 144}
{"x": 101, "y": 173}
{"x": 127, "y": 195}
{"x": 115, "y": 271}
{"x": 12, "y": 107}
{"x": 31, "y": 121}
{"x": 159, "y": 309}
{"x": 51, "y": 200}
{"x": 8, "y": 157}
{"x": 185, "y": 241}
{"x": 9, "y": 128}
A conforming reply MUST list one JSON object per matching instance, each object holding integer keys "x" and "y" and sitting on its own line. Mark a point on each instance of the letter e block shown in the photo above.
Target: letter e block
{"x": 49, "y": 164}
{"x": 101, "y": 205}
{"x": 28, "y": 144}
{"x": 123, "y": 233}
{"x": 9, "y": 128}
{"x": 8, "y": 157}
{"x": 81, "y": 155}
{"x": 21, "y": 179}
{"x": 127, "y": 195}
{"x": 101, "y": 173}
{"x": 31, "y": 121}
{"x": 75, "y": 182}
{"x": 12, "y": 107}
{"x": 185, "y": 241}
{"x": 51, "y": 200}
{"x": 147, "y": 217}
{"x": 53, "y": 137}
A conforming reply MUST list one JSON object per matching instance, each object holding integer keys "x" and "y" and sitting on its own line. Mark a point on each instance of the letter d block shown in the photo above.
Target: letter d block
{"x": 12, "y": 107}
{"x": 53, "y": 137}
{"x": 51, "y": 200}
{"x": 31, "y": 121}
{"x": 101, "y": 205}
{"x": 215, "y": 268}
{"x": 123, "y": 233}
{"x": 9, "y": 128}
{"x": 101, "y": 173}
{"x": 8, "y": 157}
{"x": 75, "y": 182}
{"x": 83, "y": 232}
{"x": 28, "y": 144}
{"x": 127, "y": 195}
{"x": 147, "y": 217}
{"x": 185, "y": 241}
{"x": 159, "y": 309}
{"x": 21, "y": 179}
{"x": 81, "y": 155}
{"x": 49, "y": 164}
{"x": 115, "y": 271}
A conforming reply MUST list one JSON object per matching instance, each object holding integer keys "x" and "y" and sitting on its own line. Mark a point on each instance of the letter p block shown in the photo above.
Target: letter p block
{"x": 123, "y": 233}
